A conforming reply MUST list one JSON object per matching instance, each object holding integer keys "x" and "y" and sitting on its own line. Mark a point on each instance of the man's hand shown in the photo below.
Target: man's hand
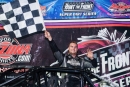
{"x": 48, "y": 35}
{"x": 89, "y": 54}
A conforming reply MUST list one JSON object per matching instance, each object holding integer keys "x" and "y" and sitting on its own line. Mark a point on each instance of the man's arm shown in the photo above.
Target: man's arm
{"x": 57, "y": 53}
{"x": 90, "y": 61}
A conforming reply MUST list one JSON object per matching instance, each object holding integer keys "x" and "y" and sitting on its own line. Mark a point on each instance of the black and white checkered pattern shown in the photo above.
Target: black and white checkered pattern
{"x": 21, "y": 17}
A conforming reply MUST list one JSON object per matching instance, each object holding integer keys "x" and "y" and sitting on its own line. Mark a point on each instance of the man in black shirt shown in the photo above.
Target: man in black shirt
{"x": 71, "y": 59}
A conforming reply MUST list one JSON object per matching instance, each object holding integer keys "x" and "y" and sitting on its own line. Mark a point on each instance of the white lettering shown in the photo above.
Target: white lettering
{"x": 69, "y": 7}
{"x": 95, "y": 70}
{"x": 24, "y": 58}
{"x": 118, "y": 61}
{"x": 111, "y": 64}
{"x": 103, "y": 62}
{"x": 125, "y": 59}
{"x": 127, "y": 80}
{"x": 121, "y": 82}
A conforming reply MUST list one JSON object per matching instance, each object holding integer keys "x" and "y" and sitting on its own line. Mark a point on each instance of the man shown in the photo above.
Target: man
{"x": 71, "y": 59}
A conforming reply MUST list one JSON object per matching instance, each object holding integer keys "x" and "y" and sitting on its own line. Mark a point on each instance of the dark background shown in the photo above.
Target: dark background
{"x": 41, "y": 53}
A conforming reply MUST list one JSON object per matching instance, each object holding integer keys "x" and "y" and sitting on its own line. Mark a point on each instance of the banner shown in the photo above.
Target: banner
{"x": 85, "y": 9}
{"x": 111, "y": 47}
{"x": 113, "y": 57}
{"x": 36, "y": 50}
{"x": 88, "y": 13}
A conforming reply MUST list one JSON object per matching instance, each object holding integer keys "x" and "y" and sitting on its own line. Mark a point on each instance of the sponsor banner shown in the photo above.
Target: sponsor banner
{"x": 115, "y": 62}
{"x": 112, "y": 53}
{"x": 34, "y": 49}
{"x": 85, "y": 9}
{"x": 12, "y": 51}
{"x": 88, "y": 13}
{"x": 111, "y": 47}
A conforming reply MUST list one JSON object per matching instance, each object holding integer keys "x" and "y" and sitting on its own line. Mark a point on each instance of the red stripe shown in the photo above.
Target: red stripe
{"x": 1, "y": 28}
{"x": 88, "y": 26}
{"x": 85, "y": 26}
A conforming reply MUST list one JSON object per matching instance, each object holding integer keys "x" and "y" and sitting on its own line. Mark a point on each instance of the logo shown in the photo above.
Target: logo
{"x": 78, "y": 6}
{"x": 43, "y": 9}
{"x": 120, "y": 7}
{"x": 11, "y": 51}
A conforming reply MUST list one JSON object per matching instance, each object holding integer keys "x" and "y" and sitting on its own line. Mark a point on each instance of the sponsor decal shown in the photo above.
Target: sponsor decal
{"x": 113, "y": 54}
{"x": 78, "y": 6}
{"x": 78, "y": 9}
{"x": 120, "y": 7}
{"x": 11, "y": 51}
{"x": 43, "y": 9}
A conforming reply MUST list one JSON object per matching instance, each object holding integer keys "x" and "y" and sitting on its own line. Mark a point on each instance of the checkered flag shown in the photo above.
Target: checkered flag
{"x": 21, "y": 17}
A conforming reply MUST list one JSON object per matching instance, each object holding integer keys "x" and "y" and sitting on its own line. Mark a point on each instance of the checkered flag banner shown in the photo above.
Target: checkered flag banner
{"x": 21, "y": 17}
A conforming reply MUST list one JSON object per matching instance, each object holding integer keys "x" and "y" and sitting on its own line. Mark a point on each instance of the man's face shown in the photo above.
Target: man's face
{"x": 73, "y": 48}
